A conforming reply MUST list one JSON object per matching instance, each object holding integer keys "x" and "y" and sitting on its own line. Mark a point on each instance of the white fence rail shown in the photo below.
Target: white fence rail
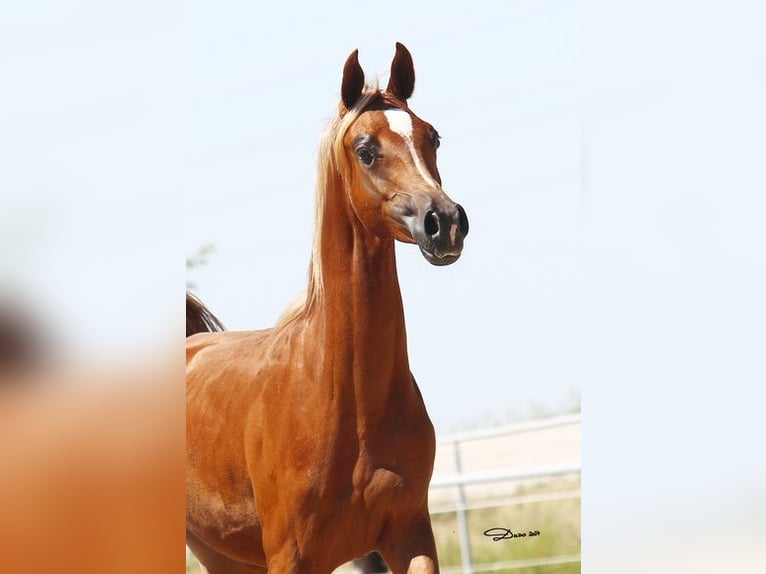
{"x": 460, "y": 480}
{"x": 505, "y": 475}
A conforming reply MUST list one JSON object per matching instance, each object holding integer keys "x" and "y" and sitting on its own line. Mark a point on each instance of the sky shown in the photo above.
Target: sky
{"x": 609, "y": 156}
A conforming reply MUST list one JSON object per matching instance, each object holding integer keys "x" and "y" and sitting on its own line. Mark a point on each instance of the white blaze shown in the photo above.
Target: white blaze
{"x": 400, "y": 122}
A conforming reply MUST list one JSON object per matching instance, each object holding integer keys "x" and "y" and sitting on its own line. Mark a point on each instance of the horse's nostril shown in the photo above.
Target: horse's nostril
{"x": 462, "y": 220}
{"x": 431, "y": 223}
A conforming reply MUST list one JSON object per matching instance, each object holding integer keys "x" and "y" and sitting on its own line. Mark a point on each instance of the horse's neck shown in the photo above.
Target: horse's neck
{"x": 360, "y": 315}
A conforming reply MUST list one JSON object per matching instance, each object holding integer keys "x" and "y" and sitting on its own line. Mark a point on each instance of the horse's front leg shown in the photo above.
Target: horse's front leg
{"x": 410, "y": 548}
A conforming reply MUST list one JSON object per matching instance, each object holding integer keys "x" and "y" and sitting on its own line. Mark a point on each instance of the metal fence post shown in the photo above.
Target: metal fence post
{"x": 462, "y": 523}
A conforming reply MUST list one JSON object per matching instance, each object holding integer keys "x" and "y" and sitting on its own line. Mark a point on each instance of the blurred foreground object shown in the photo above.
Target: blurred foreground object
{"x": 92, "y": 473}
{"x": 22, "y": 346}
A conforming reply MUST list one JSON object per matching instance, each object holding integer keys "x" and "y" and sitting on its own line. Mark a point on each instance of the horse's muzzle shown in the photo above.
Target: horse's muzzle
{"x": 441, "y": 231}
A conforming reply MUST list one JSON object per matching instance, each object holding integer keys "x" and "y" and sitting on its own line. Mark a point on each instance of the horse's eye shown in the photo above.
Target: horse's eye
{"x": 365, "y": 155}
{"x": 436, "y": 140}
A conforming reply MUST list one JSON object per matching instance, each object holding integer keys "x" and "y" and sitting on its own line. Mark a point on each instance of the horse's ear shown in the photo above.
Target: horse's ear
{"x": 353, "y": 80}
{"x": 402, "y": 80}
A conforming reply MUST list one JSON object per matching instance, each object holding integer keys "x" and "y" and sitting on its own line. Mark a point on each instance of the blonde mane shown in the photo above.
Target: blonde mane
{"x": 331, "y": 162}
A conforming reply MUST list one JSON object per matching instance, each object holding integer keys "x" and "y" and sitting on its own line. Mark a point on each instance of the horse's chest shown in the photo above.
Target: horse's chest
{"x": 384, "y": 488}
{"x": 390, "y": 479}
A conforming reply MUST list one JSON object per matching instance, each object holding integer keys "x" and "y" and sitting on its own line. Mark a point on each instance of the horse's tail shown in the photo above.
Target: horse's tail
{"x": 199, "y": 319}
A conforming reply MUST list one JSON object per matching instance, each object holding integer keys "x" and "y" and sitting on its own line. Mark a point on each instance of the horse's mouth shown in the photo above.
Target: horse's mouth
{"x": 440, "y": 258}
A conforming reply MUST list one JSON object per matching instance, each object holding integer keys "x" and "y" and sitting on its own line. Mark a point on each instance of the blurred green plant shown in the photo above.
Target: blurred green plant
{"x": 198, "y": 259}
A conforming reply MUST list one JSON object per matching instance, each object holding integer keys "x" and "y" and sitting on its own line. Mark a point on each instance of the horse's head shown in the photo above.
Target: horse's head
{"x": 395, "y": 186}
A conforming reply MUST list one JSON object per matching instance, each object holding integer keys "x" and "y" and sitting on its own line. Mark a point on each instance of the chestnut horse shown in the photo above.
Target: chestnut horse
{"x": 308, "y": 444}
